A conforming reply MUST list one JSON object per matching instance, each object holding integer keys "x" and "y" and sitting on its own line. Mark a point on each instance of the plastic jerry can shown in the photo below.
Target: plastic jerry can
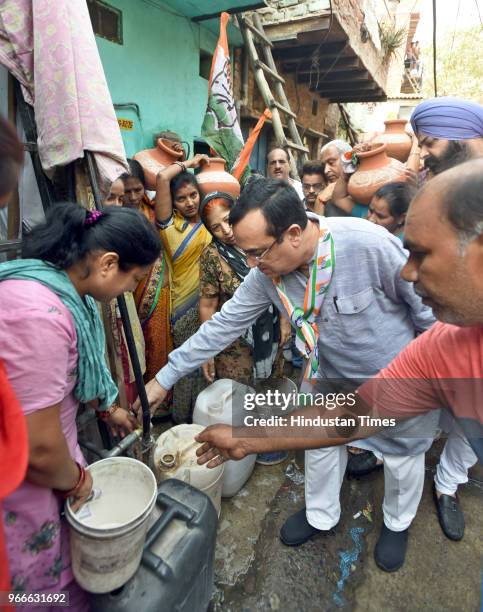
{"x": 176, "y": 571}
{"x": 175, "y": 457}
{"x": 223, "y": 402}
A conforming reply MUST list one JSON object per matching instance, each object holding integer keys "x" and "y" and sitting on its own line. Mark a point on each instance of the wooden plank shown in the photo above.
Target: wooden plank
{"x": 258, "y": 33}
{"x": 283, "y": 108}
{"x": 279, "y": 32}
{"x": 231, "y": 11}
{"x": 348, "y": 86}
{"x": 362, "y": 97}
{"x": 342, "y": 64}
{"x": 329, "y": 77}
{"x": 269, "y": 71}
{"x": 304, "y": 52}
{"x": 293, "y": 145}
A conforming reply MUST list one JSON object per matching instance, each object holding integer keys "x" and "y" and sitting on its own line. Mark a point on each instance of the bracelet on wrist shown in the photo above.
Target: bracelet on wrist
{"x": 180, "y": 164}
{"x": 80, "y": 482}
{"x": 105, "y": 414}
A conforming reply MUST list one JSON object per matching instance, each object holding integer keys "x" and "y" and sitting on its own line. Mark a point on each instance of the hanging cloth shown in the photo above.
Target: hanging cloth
{"x": 304, "y": 319}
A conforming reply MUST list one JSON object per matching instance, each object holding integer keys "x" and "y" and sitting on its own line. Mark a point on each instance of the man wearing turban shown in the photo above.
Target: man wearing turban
{"x": 449, "y": 131}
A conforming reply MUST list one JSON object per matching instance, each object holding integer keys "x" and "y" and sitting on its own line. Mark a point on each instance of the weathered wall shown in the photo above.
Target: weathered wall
{"x": 157, "y": 68}
{"x": 351, "y": 14}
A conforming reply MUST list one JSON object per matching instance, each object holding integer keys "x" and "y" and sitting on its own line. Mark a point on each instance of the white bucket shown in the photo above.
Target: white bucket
{"x": 175, "y": 457}
{"x": 107, "y": 534}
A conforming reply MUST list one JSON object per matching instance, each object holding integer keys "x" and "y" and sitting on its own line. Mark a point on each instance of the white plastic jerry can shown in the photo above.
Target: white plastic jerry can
{"x": 223, "y": 402}
{"x": 175, "y": 457}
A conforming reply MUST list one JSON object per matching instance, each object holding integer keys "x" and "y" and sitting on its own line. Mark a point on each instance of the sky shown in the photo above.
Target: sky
{"x": 448, "y": 17}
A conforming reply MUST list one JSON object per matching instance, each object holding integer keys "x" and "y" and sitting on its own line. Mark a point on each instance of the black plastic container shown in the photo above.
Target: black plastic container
{"x": 176, "y": 571}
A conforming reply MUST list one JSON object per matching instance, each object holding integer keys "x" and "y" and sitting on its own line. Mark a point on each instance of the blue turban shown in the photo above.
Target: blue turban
{"x": 448, "y": 118}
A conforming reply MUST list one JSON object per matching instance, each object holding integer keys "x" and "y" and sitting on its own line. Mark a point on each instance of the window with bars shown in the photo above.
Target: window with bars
{"x": 106, "y": 20}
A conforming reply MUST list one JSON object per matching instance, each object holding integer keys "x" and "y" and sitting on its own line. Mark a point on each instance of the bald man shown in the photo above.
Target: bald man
{"x": 449, "y": 131}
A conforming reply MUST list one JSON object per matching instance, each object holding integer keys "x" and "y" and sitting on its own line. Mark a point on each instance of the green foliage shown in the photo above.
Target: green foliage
{"x": 392, "y": 38}
{"x": 458, "y": 68}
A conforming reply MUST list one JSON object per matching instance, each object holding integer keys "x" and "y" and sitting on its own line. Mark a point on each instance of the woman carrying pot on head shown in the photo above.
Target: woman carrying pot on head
{"x": 52, "y": 344}
{"x": 223, "y": 266}
{"x": 152, "y": 295}
{"x": 184, "y": 238}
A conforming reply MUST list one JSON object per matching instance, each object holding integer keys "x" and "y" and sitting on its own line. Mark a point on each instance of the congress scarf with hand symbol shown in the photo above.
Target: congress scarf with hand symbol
{"x": 303, "y": 319}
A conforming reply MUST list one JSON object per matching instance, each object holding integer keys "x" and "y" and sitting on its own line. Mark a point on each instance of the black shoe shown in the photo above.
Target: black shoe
{"x": 390, "y": 550}
{"x": 360, "y": 464}
{"x": 450, "y": 515}
{"x": 296, "y": 530}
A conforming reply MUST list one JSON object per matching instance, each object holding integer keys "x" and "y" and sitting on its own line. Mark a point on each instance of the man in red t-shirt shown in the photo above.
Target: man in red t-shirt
{"x": 449, "y": 131}
{"x": 443, "y": 367}
{"x": 13, "y": 431}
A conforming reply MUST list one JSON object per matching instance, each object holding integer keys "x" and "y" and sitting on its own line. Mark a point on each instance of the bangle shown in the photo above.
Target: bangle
{"x": 80, "y": 482}
{"x": 105, "y": 414}
{"x": 180, "y": 164}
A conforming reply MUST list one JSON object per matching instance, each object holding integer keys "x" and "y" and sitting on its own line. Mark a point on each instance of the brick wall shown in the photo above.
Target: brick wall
{"x": 300, "y": 99}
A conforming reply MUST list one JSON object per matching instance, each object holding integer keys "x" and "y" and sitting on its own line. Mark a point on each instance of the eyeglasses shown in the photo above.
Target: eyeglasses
{"x": 315, "y": 187}
{"x": 258, "y": 258}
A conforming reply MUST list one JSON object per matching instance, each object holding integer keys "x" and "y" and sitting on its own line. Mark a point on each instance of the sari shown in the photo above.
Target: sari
{"x": 183, "y": 244}
{"x": 152, "y": 299}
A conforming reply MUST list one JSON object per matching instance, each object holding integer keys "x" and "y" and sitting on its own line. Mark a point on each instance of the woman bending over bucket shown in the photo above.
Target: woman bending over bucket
{"x": 52, "y": 344}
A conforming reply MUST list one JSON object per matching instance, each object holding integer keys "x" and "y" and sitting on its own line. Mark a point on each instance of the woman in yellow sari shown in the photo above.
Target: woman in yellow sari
{"x": 152, "y": 295}
{"x": 184, "y": 238}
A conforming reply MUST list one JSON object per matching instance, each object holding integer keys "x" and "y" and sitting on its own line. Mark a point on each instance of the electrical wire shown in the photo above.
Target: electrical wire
{"x": 455, "y": 26}
{"x": 434, "y": 51}
{"x": 313, "y": 64}
{"x": 315, "y": 60}
{"x": 333, "y": 63}
{"x": 479, "y": 14}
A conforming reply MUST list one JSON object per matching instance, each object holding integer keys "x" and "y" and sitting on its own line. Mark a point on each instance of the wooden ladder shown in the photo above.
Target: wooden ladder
{"x": 251, "y": 28}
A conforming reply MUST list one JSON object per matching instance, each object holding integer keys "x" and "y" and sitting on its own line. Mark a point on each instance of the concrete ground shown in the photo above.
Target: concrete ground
{"x": 255, "y": 571}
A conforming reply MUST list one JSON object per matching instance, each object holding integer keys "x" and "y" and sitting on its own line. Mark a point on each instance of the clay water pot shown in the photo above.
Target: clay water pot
{"x": 398, "y": 142}
{"x": 154, "y": 160}
{"x": 214, "y": 177}
{"x": 374, "y": 170}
